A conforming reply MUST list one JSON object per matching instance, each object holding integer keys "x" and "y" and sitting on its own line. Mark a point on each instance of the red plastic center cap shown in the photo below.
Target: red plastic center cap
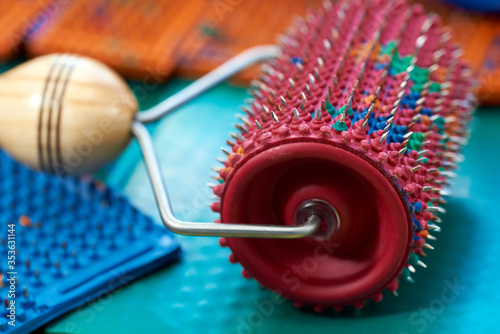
{"x": 361, "y": 258}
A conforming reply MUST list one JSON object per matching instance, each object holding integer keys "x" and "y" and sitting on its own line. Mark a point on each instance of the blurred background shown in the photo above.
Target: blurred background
{"x": 160, "y": 47}
{"x": 156, "y": 40}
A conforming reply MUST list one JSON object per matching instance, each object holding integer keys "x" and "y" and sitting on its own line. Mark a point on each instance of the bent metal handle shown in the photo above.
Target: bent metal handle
{"x": 69, "y": 114}
{"x": 211, "y": 229}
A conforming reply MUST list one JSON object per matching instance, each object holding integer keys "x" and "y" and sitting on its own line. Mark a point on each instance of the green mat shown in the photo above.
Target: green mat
{"x": 204, "y": 293}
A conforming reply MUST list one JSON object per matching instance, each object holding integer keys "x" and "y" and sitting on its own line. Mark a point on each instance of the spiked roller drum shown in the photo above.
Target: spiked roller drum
{"x": 335, "y": 179}
{"x": 360, "y": 119}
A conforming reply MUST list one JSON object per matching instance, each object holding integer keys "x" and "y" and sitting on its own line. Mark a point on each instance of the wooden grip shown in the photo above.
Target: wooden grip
{"x": 65, "y": 114}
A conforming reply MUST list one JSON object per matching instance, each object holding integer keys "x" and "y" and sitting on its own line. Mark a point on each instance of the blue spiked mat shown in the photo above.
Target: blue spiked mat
{"x": 66, "y": 241}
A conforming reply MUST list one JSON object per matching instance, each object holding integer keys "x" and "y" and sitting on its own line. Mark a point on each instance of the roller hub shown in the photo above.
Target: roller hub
{"x": 368, "y": 244}
{"x": 329, "y": 215}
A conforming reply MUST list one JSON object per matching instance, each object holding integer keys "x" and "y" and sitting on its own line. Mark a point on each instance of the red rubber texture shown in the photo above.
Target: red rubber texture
{"x": 371, "y": 246}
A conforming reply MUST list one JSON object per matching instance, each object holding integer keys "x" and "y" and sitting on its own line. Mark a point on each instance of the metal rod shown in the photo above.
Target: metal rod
{"x": 234, "y": 65}
{"x": 210, "y": 229}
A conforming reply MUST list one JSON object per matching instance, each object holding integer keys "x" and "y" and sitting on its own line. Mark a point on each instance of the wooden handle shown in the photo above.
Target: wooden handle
{"x": 65, "y": 114}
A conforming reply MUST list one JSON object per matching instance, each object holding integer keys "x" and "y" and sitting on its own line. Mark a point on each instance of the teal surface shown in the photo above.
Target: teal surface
{"x": 204, "y": 293}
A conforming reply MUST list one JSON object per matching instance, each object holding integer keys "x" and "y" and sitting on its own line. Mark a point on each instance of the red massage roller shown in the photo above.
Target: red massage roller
{"x": 336, "y": 176}
{"x": 361, "y": 119}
